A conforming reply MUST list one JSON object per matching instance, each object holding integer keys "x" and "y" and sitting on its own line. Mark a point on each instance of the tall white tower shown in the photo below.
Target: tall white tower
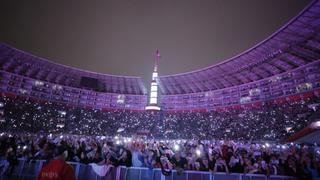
{"x": 153, "y": 97}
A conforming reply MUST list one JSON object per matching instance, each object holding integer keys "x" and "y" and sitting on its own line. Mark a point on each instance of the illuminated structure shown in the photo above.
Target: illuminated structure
{"x": 153, "y": 97}
{"x": 283, "y": 66}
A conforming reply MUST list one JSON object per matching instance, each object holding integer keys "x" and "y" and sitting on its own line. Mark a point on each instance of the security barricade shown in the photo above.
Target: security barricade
{"x": 25, "y": 169}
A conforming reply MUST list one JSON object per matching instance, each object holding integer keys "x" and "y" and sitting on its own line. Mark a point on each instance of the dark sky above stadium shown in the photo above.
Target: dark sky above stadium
{"x": 120, "y": 36}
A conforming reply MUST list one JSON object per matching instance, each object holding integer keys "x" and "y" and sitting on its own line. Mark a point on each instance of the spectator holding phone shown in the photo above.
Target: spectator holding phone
{"x": 221, "y": 165}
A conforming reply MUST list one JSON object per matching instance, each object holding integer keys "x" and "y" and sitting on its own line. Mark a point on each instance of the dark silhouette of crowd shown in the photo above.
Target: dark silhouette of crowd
{"x": 229, "y": 140}
{"x": 270, "y": 121}
{"x": 216, "y": 155}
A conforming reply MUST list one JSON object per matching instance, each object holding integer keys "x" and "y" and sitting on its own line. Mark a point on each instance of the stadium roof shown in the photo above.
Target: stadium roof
{"x": 296, "y": 44}
{"x": 25, "y": 64}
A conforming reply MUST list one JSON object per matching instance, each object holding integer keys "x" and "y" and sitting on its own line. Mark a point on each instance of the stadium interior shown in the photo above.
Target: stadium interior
{"x": 262, "y": 105}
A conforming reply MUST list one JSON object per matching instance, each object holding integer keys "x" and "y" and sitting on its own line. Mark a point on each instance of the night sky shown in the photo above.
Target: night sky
{"x": 120, "y": 36}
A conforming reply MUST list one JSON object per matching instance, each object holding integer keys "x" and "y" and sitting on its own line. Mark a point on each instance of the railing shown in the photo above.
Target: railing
{"x": 30, "y": 169}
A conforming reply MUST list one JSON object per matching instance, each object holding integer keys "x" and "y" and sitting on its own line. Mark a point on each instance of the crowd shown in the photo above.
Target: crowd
{"x": 216, "y": 156}
{"x": 271, "y": 121}
{"x": 227, "y": 140}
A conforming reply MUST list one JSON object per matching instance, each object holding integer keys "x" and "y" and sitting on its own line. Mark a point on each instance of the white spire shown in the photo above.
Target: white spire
{"x": 153, "y": 97}
{"x": 156, "y": 60}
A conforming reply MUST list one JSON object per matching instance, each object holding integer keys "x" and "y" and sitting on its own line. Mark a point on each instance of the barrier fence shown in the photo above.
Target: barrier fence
{"x": 26, "y": 170}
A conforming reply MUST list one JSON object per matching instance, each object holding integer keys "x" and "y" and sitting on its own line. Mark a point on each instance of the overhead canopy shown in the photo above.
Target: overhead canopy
{"x": 295, "y": 44}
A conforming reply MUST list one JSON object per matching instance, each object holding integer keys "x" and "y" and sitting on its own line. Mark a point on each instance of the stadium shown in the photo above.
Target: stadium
{"x": 253, "y": 116}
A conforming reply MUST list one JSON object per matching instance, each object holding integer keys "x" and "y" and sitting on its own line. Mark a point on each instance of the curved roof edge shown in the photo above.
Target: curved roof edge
{"x": 65, "y": 66}
{"x": 248, "y": 50}
{"x": 246, "y": 84}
